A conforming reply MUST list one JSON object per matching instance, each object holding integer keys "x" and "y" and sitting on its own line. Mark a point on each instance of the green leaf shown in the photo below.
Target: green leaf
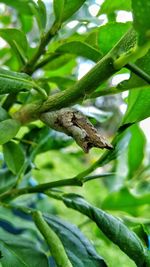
{"x": 39, "y": 11}
{"x": 17, "y": 41}
{"x": 110, "y": 6}
{"x": 26, "y": 22}
{"x": 106, "y": 39}
{"x": 8, "y": 130}
{"x": 20, "y": 252}
{"x": 13, "y": 82}
{"x": 80, "y": 49}
{"x": 125, "y": 200}
{"x": 64, "y": 9}
{"x": 7, "y": 180}
{"x": 62, "y": 82}
{"x": 138, "y": 106}
{"x": 14, "y": 156}
{"x": 79, "y": 250}
{"x": 137, "y": 142}
{"x": 119, "y": 143}
{"x": 21, "y": 5}
{"x": 141, "y": 22}
{"x": 112, "y": 227}
{"x": 58, "y": 6}
{"x": 3, "y": 114}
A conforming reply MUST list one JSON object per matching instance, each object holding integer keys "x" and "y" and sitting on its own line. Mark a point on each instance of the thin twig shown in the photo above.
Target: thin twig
{"x": 135, "y": 69}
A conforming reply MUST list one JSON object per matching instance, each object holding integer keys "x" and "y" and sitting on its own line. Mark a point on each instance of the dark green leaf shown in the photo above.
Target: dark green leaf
{"x": 20, "y": 252}
{"x": 138, "y": 106}
{"x": 79, "y": 250}
{"x": 14, "y": 156}
{"x": 112, "y": 227}
{"x": 125, "y": 200}
{"x": 7, "y": 180}
{"x": 106, "y": 39}
{"x": 17, "y": 40}
{"x": 8, "y": 130}
{"x": 13, "y": 82}
{"x": 141, "y": 22}
{"x": 137, "y": 143}
{"x": 80, "y": 49}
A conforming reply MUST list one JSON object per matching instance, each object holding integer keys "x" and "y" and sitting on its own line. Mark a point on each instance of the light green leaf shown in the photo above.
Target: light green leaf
{"x": 3, "y": 114}
{"x": 58, "y": 6}
{"x": 20, "y": 252}
{"x": 8, "y": 130}
{"x": 13, "y": 82}
{"x": 125, "y": 200}
{"x": 42, "y": 13}
{"x": 17, "y": 40}
{"x": 64, "y": 9}
{"x": 112, "y": 227}
{"x": 110, "y": 6}
{"x": 137, "y": 143}
{"x": 13, "y": 156}
{"x": 21, "y": 5}
{"x": 106, "y": 39}
{"x": 119, "y": 143}
{"x": 39, "y": 11}
{"x": 80, "y": 49}
{"x": 138, "y": 106}
{"x": 79, "y": 250}
{"x": 141, "y": 21}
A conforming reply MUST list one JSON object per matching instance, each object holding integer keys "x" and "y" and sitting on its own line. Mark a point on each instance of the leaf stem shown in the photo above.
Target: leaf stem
{"x": 29, "y": 66}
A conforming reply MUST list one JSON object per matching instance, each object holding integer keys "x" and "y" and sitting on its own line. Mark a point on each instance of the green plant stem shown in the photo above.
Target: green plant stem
{"x": 78, "y": 180}
{"x": 54, "y": 243}
{"x": 29, "y": 67}
{"x": 135, "y": 69}
{"x": 99, "y": 73}
{"x": 46, "y": 60}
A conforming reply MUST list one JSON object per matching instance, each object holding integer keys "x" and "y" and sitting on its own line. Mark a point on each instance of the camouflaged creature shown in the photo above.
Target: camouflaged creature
{"x": 75, "y": 124}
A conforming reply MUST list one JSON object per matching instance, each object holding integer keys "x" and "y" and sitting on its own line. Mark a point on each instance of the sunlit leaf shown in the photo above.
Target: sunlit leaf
{"x": 80, "y": 49}
{"x": 137, "y": 142}
{"x": 17, "y": 41}
{"x": 124, "y": 200}
{"x": 8, "y": 130}
{"x": 66, "y": 8}
{"x": 141, "y": 22}
{"x": 106, "y": 39}
{"x": 14, "y": 163}
{"x": 138, "y": 106}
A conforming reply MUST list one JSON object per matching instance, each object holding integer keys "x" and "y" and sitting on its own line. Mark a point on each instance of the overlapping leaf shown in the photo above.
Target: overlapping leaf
{"x": 112, "y": 227}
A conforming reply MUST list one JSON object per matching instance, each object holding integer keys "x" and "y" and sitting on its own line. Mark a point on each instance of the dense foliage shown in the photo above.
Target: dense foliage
{"x": 47, "y": 183}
